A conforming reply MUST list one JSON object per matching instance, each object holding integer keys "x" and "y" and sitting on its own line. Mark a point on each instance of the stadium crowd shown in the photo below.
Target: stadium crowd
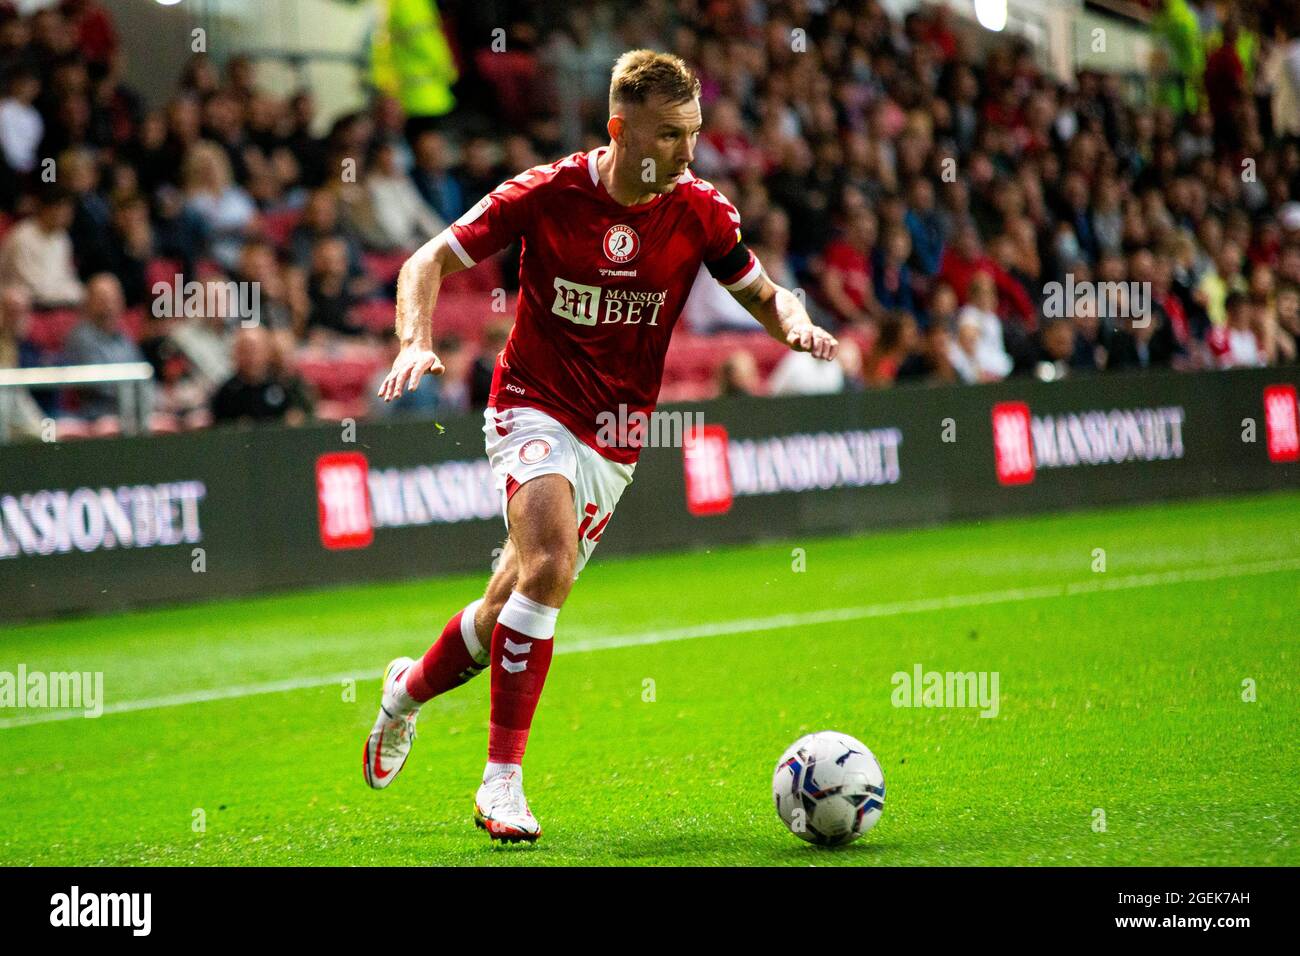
{"x": 938, "y": 207}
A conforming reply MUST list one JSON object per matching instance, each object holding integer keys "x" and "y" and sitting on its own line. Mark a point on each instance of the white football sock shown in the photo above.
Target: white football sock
{"x": 397, "y": 699}
{"x": 493, "y": 770}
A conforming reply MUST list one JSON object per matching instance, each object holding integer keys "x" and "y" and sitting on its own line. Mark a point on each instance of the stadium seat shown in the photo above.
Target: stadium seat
{"x": 484, "y": 277}
{"x": 384, "y": 266}
{"x": 687, "y": 391}
{"x": 162, "y": 423}
{"x": 466, "y": 314}
{"x": 461, "y": 313}
{"x": 698, "y": 356}
{"x": 49, "y": 329}
{"x": 375, "y": 314}
{"x": 67, "y": 427}
{"x": 342, "y": 376}
{"x": 109, "y": 426}
{"x": 335, "y": 411}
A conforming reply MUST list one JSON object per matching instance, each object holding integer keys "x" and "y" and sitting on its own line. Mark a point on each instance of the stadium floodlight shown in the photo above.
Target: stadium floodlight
{"x": 991, "y": 14}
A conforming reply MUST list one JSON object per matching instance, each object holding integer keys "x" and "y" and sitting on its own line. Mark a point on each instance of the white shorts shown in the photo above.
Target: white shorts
{"x": 525, "y": 443}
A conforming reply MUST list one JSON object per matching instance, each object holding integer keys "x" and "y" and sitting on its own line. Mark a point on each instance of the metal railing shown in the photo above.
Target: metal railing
{"x": 131, "y": 379}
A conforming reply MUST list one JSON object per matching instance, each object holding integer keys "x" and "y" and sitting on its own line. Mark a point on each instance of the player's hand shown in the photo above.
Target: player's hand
{"x": 408, "y": 368}
{"x": 814, "y": 339}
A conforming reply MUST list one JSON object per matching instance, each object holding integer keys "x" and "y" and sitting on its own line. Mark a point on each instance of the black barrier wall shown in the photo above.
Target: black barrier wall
{"x": 102, "y": 525}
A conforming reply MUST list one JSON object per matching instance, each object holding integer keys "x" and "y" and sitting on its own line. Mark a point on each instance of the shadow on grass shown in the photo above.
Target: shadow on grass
{"x": 681, "y": 849}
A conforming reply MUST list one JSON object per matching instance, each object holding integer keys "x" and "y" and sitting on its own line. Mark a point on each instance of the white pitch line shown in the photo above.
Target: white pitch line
{"x": 722, "y": 628}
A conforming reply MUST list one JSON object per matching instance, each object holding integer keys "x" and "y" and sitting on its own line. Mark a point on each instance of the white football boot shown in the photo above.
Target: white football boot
{"x": 390, "y": 739}
{"x": 501, "y": 808}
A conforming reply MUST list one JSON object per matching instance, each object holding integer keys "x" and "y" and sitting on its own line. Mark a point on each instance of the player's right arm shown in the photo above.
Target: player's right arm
{"x": 417, "y": 293}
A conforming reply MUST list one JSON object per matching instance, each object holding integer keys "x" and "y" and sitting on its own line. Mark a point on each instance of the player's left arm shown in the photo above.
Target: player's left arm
{"x": 781, "y": 313}
{"x": 738, "y": 270}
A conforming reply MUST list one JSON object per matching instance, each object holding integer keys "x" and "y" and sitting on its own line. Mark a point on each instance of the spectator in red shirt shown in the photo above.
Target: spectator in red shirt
{"x": 846, "y": 278}
{"x": 93, "y": 27}
{"x": 1005, "y": 110}
{"x": 1225, "y": 88}
{"x": 899, "y": 339}
{"x": 965, "y": 257}
{"x": 724, "y": 148}
{"x": 1164, "y": 297}
{"x": 940, "y": 34}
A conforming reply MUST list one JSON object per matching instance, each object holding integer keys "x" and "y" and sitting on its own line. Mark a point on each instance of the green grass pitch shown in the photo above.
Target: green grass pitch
{"x": 1120, "y": 691}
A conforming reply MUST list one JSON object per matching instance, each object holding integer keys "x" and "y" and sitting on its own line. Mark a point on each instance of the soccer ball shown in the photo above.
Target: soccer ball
{"x": 829, "y": 788}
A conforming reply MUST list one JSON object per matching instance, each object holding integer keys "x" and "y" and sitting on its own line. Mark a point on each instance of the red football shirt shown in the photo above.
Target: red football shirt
{"x": 854, "y": 268}
{"x": 601, "y": 286}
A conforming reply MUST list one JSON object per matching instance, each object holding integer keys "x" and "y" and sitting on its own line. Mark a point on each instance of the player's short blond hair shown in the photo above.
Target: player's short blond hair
{"x": 641, "y": 74}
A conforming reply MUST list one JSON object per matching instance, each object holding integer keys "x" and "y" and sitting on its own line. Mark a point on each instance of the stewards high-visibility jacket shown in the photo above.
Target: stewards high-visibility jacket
{"x": 411, "y": 59}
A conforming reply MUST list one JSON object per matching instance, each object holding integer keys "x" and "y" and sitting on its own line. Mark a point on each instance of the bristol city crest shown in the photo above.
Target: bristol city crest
{"x": 534, "y": 451}
{"x": 621, "y": 244}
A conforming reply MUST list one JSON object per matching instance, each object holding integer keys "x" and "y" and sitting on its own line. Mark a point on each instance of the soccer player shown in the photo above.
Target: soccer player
{"x": 612, "y": 242}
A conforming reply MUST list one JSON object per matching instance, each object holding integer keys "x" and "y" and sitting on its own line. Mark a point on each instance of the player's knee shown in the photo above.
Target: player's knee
{"x": 547, "y": 572}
